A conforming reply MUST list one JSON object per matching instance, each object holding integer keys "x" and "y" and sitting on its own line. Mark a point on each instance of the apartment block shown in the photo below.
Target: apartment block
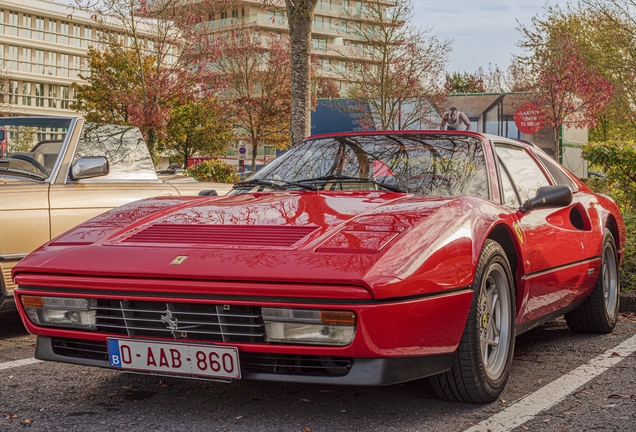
{"x": 335, "y": 26}
{"x": 43, "y": 45}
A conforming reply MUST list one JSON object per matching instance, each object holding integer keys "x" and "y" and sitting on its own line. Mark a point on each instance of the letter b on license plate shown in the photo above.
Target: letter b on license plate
{"x": 170, "y": 358}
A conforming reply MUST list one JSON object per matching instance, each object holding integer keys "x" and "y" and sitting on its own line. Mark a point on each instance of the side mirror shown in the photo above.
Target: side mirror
{"x": 208, "y": 192}
{"x": 548, "y": 197}
{"x": 89, "y": 167}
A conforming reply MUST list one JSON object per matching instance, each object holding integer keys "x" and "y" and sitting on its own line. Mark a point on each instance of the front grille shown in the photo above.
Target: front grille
{"x": 207, "y": 322}
{"x": 287, "y": 364}
{"x": 80, "y": 348}
{"x": 295, "y": 364}
{"x": 233, "y": 235}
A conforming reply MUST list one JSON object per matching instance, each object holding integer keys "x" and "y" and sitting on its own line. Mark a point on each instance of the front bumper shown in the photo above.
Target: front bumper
{"x": 361, "y": 371}
{"x": 396, "y": 340}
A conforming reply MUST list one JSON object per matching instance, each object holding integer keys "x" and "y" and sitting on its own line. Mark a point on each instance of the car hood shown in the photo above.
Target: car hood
{"x": 302, "y": 237}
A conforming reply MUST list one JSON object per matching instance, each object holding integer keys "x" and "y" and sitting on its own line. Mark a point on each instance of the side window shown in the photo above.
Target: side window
{"x": 525, "y": 173}
{"x": 555, "y": 171}
{"x": 509, "y": 195}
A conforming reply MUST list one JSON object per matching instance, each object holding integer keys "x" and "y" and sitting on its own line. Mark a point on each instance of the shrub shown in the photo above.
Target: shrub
{"x": 215, "y": 170}
{"x": 618, "y": 161}
{"x": 628, "y": 270}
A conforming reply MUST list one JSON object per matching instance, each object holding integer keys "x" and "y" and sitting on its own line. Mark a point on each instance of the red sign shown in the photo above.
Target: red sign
{"x": 529, "y": 118}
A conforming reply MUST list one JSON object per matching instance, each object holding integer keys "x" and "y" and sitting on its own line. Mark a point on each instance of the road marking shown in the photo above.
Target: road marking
{"x": 548, "y": 396}
{"x": 17, "y": 363}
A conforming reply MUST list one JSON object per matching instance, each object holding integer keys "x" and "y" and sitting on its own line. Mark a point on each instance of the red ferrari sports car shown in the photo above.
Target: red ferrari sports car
{"x": 354, "y": 258}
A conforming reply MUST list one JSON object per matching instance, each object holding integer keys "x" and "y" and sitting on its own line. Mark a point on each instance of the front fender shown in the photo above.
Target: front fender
{"x": 440, "y": 252}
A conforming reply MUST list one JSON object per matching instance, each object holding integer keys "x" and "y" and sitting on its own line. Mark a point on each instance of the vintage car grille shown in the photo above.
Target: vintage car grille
{"x": 207, "y": 322}
{"x": 235, "y": 235}
{"x": 250, "y": 362}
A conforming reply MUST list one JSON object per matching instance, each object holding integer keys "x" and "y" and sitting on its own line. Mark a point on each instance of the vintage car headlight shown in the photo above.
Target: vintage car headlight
{"x": 60, "y": 311}
{"x": 309, "y": 326}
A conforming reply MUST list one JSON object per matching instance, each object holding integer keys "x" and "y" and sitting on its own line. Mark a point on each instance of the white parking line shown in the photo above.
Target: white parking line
{"x": 23, "y": 362}
{"x": 546, "y": 397}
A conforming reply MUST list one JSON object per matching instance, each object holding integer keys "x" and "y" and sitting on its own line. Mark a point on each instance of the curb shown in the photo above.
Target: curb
{"x": 628, "y": 302}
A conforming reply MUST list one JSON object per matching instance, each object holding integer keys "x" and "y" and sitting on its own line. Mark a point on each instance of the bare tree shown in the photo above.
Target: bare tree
{"x": 396, "y": 68}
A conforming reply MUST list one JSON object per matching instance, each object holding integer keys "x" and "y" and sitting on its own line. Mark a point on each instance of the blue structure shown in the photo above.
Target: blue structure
{"x": 338, "y": 115}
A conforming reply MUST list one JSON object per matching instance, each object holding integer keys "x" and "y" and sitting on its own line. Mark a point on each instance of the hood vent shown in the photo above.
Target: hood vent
{"x": 227, "y": 235}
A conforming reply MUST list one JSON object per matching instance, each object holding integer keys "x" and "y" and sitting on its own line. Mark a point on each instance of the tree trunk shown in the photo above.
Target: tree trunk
{"x": 254, "y": 151}
{"x": 152, "y": 142}
{"x": 300, "y": 16}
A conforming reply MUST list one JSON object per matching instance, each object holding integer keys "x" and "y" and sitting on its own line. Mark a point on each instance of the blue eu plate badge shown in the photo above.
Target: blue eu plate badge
{"x": 113, "y": 353}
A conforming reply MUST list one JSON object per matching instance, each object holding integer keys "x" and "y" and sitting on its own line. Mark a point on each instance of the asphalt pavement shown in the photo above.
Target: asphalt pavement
{"x": 548, "y": 360}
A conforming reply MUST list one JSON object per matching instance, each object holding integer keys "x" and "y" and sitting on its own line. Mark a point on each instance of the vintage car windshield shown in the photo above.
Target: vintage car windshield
{"x": 424, "y": 164}
{"x": 31, "y": 146}
{"x": 123, "y": 146}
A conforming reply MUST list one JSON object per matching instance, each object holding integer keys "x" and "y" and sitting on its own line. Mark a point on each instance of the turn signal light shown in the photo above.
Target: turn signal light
{"x": 337, "y": 317}
{"x": 32, "y": 301}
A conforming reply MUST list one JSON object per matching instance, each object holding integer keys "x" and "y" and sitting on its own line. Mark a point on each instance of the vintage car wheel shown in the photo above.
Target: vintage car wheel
{"x": 482, "y": 361}
{"x": 599, "y": 312}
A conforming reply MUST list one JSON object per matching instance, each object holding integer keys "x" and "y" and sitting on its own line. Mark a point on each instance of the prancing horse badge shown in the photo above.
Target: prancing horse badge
{"x": 178, "y": 260}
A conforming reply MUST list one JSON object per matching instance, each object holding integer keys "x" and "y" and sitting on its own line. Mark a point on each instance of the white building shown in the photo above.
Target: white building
{"x": 43, "y": 45}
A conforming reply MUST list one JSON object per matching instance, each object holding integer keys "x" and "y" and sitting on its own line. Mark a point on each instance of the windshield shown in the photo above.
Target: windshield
{"x": 123, "y": 146}
{"x": 433, "y": 165}
{"x": 30, "y": 147}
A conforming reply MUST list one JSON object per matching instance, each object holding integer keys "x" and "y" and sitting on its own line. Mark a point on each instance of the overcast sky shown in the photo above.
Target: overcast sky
{"x": 484, "y": 31}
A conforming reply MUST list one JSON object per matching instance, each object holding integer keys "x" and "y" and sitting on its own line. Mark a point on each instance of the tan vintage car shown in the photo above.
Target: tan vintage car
{"x": 56, "y": 172}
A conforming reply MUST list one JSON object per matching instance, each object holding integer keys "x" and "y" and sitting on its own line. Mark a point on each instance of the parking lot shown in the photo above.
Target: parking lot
{"x": 548, "y": 360}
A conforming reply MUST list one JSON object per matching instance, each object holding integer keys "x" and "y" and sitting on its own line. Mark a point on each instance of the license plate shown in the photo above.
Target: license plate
{"x": 171, "y": 358}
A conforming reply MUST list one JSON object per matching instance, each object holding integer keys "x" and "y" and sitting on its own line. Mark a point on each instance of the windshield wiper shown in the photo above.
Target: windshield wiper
{"x": 277, "y": 184}
{"x": 337, "y": 177}
{"x": 22, "y": 173}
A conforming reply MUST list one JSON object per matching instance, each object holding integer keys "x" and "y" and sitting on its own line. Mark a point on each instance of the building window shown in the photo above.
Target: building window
{"x": 2, "y": 63}
{"x": 76, "y": 66}
{"x": 88, "y": 36}
{"x": 52, "y": 64}
{"x": 235, "y": 13}
{"x": 319, "y": 43}
{"x": 63, "y": 70}
{"x": 318, "y": 23}
{"x": 26, "y": 93}
{"x": 39, "y": 95}
{"x": 38, "y": 65}
{"x": 52, "y": 96}
{"x": 26, "y": 60}
{"x": 64, "y": 33}
{"x": 13, "y": 58}
{"x": 13, "y": 92}
{"x": 53, "y": 31}
{"x": 64, "y": 102}
{"x": 26, "y": 26}
{"x": 39, "y": 28}
{"x": 223, "y": 15}
{"x": 77, "y": 34}
{"x": 243, "y": 12}
{"x": 13, "y": 23}
{"x": 2, "y": 21}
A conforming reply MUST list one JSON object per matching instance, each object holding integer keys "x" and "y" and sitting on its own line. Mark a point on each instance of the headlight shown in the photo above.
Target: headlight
{"x": 309, "y": 326}
{"x": 60, "y": 311}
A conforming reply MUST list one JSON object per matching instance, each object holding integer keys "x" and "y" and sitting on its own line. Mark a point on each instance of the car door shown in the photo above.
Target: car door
{"x": 132, "y": 177}
{"x": 554, "y": 248}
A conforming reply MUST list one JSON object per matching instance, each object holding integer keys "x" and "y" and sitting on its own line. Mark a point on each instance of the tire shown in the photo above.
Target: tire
{"x": 480, "y": 369}
{"x": 599, "y": 312}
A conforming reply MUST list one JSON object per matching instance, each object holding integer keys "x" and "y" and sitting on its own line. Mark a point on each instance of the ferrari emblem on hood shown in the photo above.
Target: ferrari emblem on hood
{"x": 178, "y": 260}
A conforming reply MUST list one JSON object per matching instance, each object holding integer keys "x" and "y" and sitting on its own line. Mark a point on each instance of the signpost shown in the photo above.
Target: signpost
{"x": 242, "y": 156}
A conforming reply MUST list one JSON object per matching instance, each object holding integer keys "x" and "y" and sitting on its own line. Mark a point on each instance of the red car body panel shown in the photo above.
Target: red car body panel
{"x": 403, "y": 263}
